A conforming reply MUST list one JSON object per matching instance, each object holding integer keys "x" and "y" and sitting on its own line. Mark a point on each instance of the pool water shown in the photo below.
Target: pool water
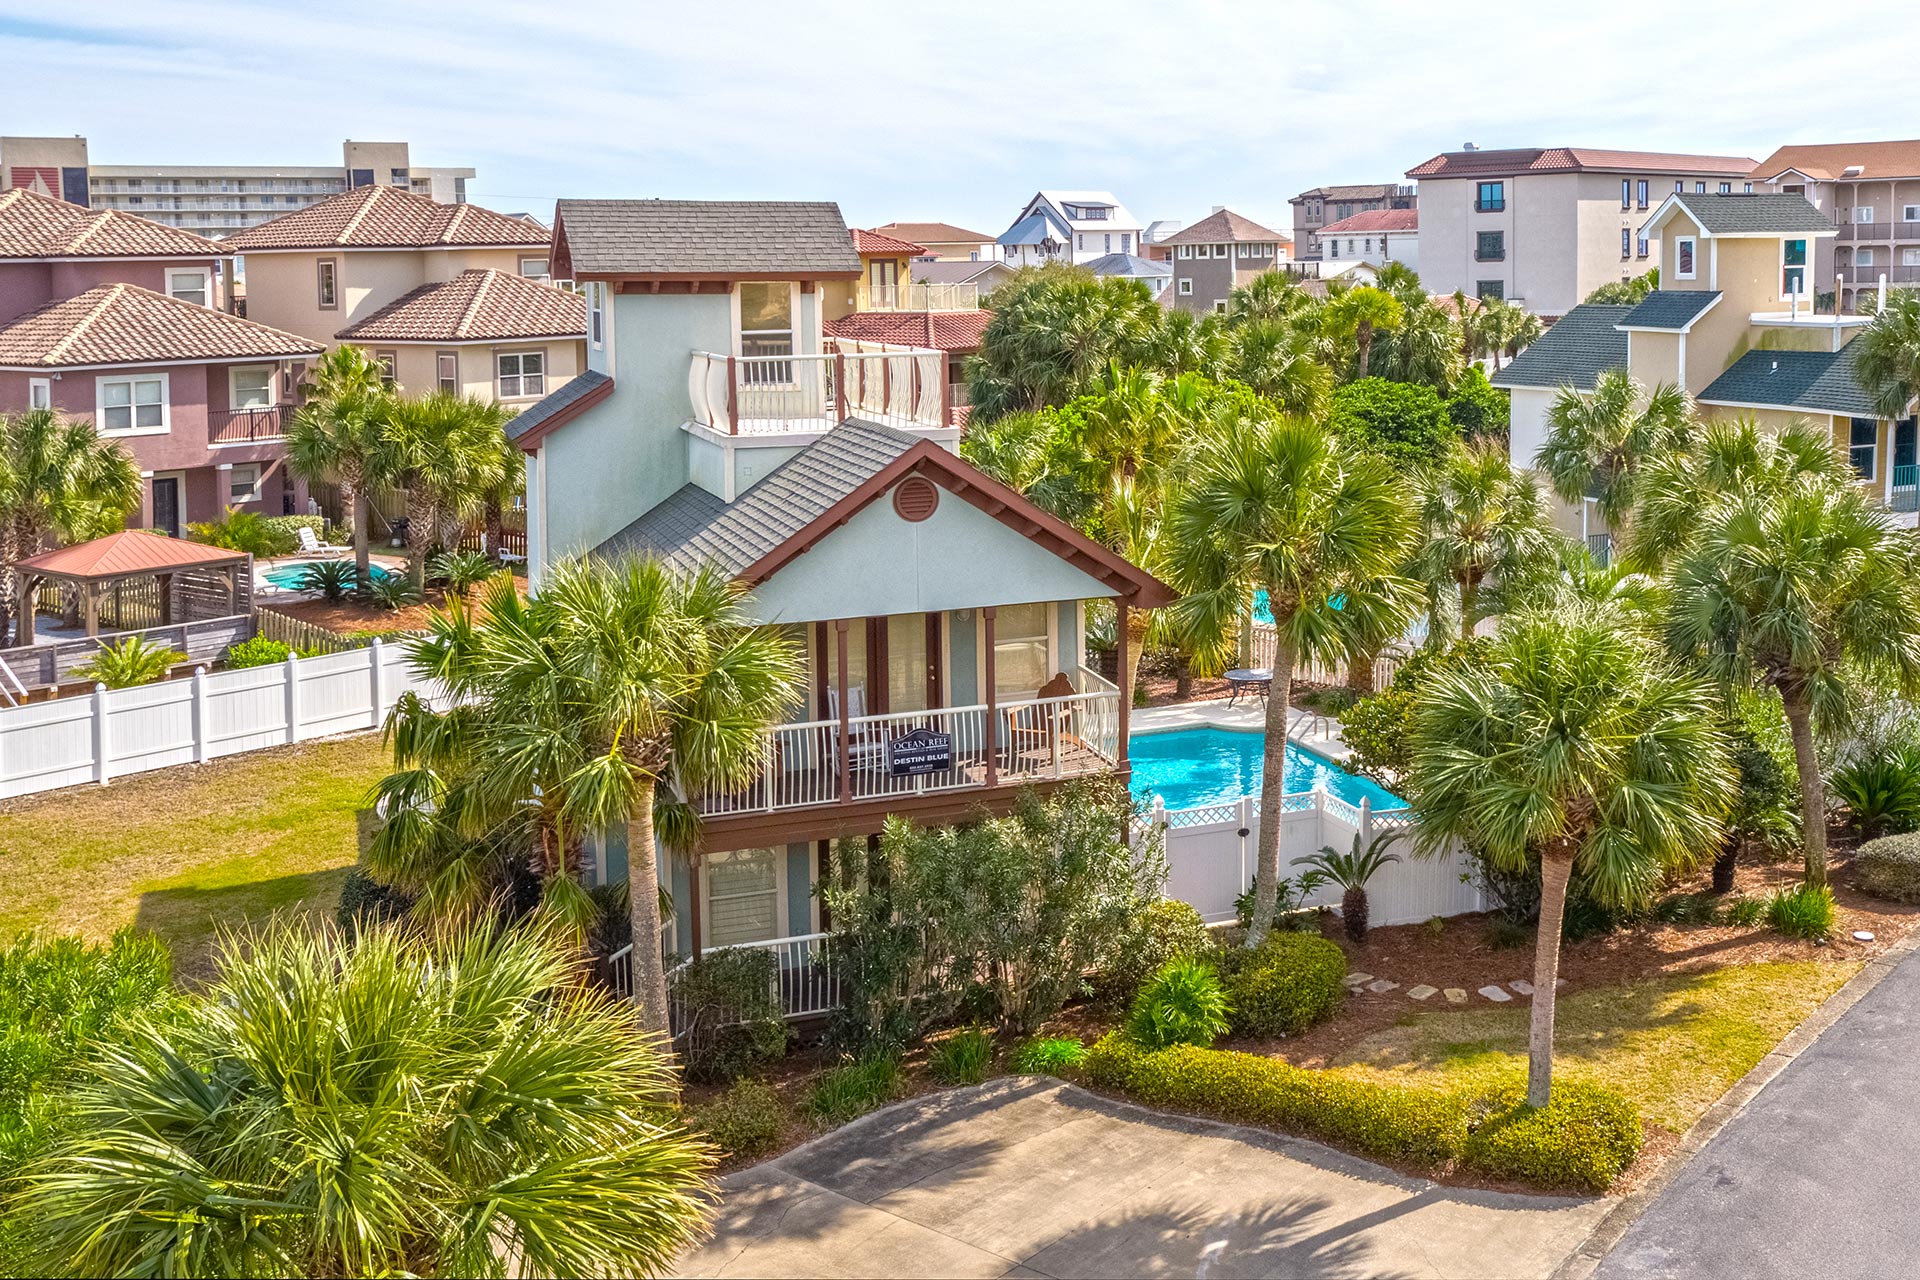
{"x": 1188, "y": 768}
{"x": 290, "y": 577}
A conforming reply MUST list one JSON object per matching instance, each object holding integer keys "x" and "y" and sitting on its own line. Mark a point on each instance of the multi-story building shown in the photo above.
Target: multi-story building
{"x": 933, "y": 606}
{"x": 1546, "y": 226}
{"x": 1872, "y": 192}
{"x": 942, "y": 241}
{"x": 1376, "y": 238}
{"x": 1313, "y": 209}
{"x": 216, "y": 200}
{"x": 1217, "y": 255}
{"x": 1069, "y": 226}
{"x": 447, "y": 296}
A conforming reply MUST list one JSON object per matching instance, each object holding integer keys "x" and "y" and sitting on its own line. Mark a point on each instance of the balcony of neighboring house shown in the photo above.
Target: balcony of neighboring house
{"x": 776, "y": 394}
{"x": 916, "y": 297}
{"x": 1869, "y": 273}
{"x": 247, "y": 426}
{"x": 1878, "y": 232}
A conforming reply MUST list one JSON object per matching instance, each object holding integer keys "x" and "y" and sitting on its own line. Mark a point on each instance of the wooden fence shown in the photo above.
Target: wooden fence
{"x": 41, "y": 666}
{"x": 307, "y": 637}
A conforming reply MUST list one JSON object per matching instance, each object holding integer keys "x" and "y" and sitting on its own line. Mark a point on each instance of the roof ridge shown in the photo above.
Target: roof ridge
{"x": 451, "y": 225}
{"x": 86, "y": 322}
{"x": 353, "y": 223}
{"x": 482, "y": 286}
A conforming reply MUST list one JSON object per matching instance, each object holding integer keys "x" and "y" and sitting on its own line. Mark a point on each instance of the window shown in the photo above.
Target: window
{"x": 1793, "y": 267}
{"x": 1863, "y": 213}
{"x": 1489, "y": 289}
{"x": 1640, "y": 192}
{"x": 522, "y": 373}
{"x": 387, "y": 361}
{"x": 243, "y": 482}
{"x": 1683, "y": 257}
{"x": 534, "y": 268}
{"x": 1107, "y": 247}
{"x": 39, "y": 393}
{"x": 1678, "y": 187}
{"x": 1369, "y": 244}
{"x": 1862, "y": 443}
{"x": 1220, "y": 306}
{"x": 1492, "y": 197}
{"x": 251, "y": 387}
{"x": 446, "y": 372}
{"x": 1082, "y": 238}
{"x": 1126, "y": 242}
{"x": 1726, "y": 188}
{"x": 742, "y": 898}
{"x": 1863, "y": 257}
{"x": 328, "y": 283}
{"x": 596, "y": 313}
{"x": 1186, "y": 251}
{"x": 1910, "y": 213}
{"x": 1021, "y": 658}
{"x": 1186, "y": 287}
{"x": 1910, "y": 257}
{"x": 1747, "y": 187}
{"x": 1640, "y": 247}
{"x": 766, "y": 329}
{"x": 1626, "y": 193}
{"x": 1490, "y": 246}
{"x": 132, "y": 404}
{"x": 1700, "y": 188}
{"x": 188, "y": 286}
{"x": 1626, "y": 242}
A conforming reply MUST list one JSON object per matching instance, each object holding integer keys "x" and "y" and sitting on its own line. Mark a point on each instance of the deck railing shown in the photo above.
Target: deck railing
{"x": 780, "y": 393}
{"x": 918, "y": 297}
{"x": 806, "y": 981}
{"x": 239, "y": 426}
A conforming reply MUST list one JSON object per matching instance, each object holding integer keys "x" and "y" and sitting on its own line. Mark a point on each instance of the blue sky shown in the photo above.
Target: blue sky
{"x": 904, "y": 111}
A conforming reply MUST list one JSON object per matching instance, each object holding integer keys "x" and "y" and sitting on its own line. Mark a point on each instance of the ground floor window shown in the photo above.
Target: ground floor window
{"x": 741, "y": 896}
{"x": 522, "y": 373}
{"x": 39, "y": 393}
{"x": 447, "y": 372}
{"x": 243, "y": 482}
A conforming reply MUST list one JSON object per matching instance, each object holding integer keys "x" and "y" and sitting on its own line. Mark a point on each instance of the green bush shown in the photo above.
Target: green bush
{"x": 256, "y": 651}
{"x": 248, "y": 531}
{"x": 331, "y": 578}
{"x": 961, "y": 1058}
{"x": 743, "y": 1122}
{"x": 1890, "y": 867}
{"x": 731, "y": 1020}
{"x": 393, "y": 592}
{"x": 1476, "y": 406}
{"x": 365, "y": 901}
{"x": 461, "y": 571}
{"x": 1881, "y": 792}
{"x": 1582, "y": 1140}
{"x": 1288, "y": 914}
{"x": 1049, "y": 1056}
{"x": 1163, "y": 930}
{"x": 847, "y": 1092}
{"x": 1802, "y": 912}
{"x": 1405, "y": 421}
{"x": 1182, "y": 1004}
{"x": 1743, "y": 911}
{"x": 133, "y": 660}
{"x": 1291, "y": 982}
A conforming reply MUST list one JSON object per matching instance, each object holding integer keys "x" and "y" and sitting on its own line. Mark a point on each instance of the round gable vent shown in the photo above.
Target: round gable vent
{"x": 915, "y": 498}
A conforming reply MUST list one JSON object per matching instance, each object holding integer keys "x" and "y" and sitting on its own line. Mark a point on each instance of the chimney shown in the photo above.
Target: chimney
{"x": 1219, "y": 208}
{"x": 1469, "y": 146}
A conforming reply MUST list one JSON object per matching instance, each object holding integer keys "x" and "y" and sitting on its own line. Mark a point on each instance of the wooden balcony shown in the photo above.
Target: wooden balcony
{"x": 781, "y": 394}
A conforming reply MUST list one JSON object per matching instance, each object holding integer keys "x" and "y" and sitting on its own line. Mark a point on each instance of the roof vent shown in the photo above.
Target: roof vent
{"x": 1775, "y": 368}
{"x": 1853, "y": 171}
{"x": 915, "y": 498}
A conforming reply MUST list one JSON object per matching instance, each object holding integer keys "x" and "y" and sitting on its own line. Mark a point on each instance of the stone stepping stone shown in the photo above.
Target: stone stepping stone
{"x": 1381, "y": 984}
{"x": 1496, "y": 994}
{"x": 1522, "y": 986}
{"x": 1456, "y": 995}
{"x": 1423, "y": 992}
{"x": 1358, "y": 979}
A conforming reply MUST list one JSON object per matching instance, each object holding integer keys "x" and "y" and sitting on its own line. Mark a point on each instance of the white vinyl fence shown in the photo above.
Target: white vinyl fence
{"x": 45, "y": 745}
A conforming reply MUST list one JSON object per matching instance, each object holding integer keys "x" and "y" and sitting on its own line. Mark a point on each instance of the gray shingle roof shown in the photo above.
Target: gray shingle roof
{"x": 1814, "y": 381}
{"x": 560, "y": 398}
{"x": 713, "y": 237}
{"x": 1579, "y": 347}
{"x": 1127, "y": 264}
{"x": 1761, "y": 213}
{"x": 1672, "y": 309}
{"x": 692, "y": 527}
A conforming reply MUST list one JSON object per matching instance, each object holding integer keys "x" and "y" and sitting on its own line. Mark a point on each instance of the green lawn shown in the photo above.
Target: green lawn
{"x": 186, "y": 852}
{"x": 1671, "y": 1045}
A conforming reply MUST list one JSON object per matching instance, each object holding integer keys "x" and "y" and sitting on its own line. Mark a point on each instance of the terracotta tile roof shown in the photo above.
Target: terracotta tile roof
{"x": 1351, "y": 191}
{"x": 751, "y": 238}
{"x": 1224, "y": 225}
{"x": 129, "y": 551}
{"x": 115, "y": 324}
{"x": 939, "y": 330}
{"x": 1828, "y": 161}
{"x": 475, "y": 306}
{"x": 1518, "y": 160}
{"x": 876, "y": 242}
{"x": 1375, "y": 220}
{"x": 389, "y": 218}
{"x": 37, "y": 226}
{"x": 933, "y": 233}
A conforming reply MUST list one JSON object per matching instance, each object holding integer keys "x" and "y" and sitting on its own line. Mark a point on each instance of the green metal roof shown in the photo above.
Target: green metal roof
{"x": 1811, "y": 381}
{"x": 1579, "y": 347}
{"x": 1670, "y": 309}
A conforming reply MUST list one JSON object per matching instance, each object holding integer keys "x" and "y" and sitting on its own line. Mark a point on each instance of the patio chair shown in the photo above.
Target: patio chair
{"x": 1033, "y": 728}
{"x": 310, "y": 544}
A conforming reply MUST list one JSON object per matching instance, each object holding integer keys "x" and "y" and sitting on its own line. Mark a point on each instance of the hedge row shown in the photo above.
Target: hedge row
{"x": 1584, "y": 1140}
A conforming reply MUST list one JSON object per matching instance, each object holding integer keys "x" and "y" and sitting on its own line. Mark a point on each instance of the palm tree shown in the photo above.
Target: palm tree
{"x": 571, "y": 714}
{"x": 397, "y": 1104}
{"x": 1270, "y": 357}
{"x": 1506, "y": 327}
{"x": 1284, "y": 506}
{"x": 1596, "y": 444}
{"x": 1268, "y": 298}
{"x": 1574, "y": 749}
{"x": 1351, "y": 871}
{"x": 1186, "y": 343}
{"x": 1472, "y": 315}
{"x": 450, "y": 452}
{"x": 495, "y": 499}
{"x": 1887, "y": 355}
{"x": 1480, "y": 519}
{"x": 59, "y": 479}
{"x": 1055, "y": 331}
{"x": 339, "y": 436}
{"x": 1426, "y": 346}
{"x": 1359, "y": 314}
{"x": 1805, "y": 591}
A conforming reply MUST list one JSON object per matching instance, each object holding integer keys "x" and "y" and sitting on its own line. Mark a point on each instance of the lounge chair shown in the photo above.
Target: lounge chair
{"x": 310, "y": 544}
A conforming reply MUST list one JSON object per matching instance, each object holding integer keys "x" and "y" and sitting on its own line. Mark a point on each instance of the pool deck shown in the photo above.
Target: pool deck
{"x": 1320, "y": 734}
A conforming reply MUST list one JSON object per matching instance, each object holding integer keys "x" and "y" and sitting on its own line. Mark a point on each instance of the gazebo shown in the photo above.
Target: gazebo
{"x": 191, "y": 581}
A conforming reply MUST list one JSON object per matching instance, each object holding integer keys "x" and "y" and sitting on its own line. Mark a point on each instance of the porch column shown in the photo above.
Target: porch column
{"x": 1120, "y": 612}
{"x": 92, "y": 597}
{"x": 693, "y": 903}
{"x": 163, "y": 582}
{"x": 993, "y": 710}
{"x": 845, "y": 747}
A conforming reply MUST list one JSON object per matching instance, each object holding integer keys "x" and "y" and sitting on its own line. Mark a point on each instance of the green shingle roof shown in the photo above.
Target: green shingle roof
{"x": 1759, "y": 213}
{"x": 1812, "y": 381}
{"x": 1579, "y": 347}
{"x": 1670, "y": 309}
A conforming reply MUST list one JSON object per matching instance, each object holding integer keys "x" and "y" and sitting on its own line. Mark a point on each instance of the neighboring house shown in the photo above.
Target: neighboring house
{"x": 984, "y": 276}
{"x": 1155, "y": 275}
{"x": 1377, "y": 238}
{"x": 1069, "y": 226}
{"x": 1153, "y": 241}
{"x": 1313, "y": 209}
{"x": 194, "y": 394}
{"x": 931, "y": 604}
{"x": 327, "y": 270}
{"x": 1546, "y": 226}
{"x": 956, "y": 333}
{"x": 50, "y": 250}
{"x": 887, "y": 281}
{"x": 942, "y": 241}
{"x": 1218, "y": 254}
{"x": 1871, "y": 190}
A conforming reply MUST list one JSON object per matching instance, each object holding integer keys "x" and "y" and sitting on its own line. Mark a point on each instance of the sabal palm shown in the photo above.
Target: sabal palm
{"x": 1507, "y": 327}
{"x": 1054, "y": 331}
{"x": 1283, "y": 505}
{"x": 1597, "y": 444}
{"x": 1805, "y": 592}
{"x": 402, "y": 1103}
{"x": 450, "y": 452}
{"x": 1480, "y": 520}
{"x": 1186, "y": 343}
{"x": 1360, "y": 313}
{"x": 59, "y": 479}
{"x": 1576, "y": 749}
{"x": 1270, "y": 357}
{"x": 339, "y": 436}
{"x": 1268, "y": 298}
{"x": 1425, "y": 348}
{"x": 1887, "y": 354}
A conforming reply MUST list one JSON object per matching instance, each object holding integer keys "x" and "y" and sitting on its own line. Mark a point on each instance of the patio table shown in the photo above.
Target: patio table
{"x": 1254, "y": 682}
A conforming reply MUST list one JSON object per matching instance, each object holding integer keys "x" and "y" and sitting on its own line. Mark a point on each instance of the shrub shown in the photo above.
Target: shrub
{"x": 1161, "y": 931}
{"x": 393, "y": 592}
{"x": 1288, "y": 914}
{"x": 288, "y": 527}
{"x": 1183, "y": 1004}
{"x": 847, "y": 1092}
{"x": 744, "y": 1121}
{"x": 1685, "y": 908}
{"x": 1504, "y": 934}
{"x": 731, "y": 1019}
{"x": 1293, "y": 981}
{"x": 1881, "y": 792}
{"x": 256, "y": 651}
{"x": 247, "y": 531}
{"x": 133, "y": 660}
{"x": 1890, "y": 867}
{"x": 1477, "y": 407}
{"x": 365, "y": 901}
{"x": 1743, "y": 911}
{"x": 462, "y": 571}
{"x": 1405, "y": 421}
{"x": 1802, "y": 912}
{"x": 1584, "y": 1139}
{"x": 331, "y": 578}
{"x": 963, "y": 1057}
{"x": 1050, "y": 1056}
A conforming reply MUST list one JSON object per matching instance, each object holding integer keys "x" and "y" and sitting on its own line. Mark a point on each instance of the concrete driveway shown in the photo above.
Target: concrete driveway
{"x": 1031, "y": 1177}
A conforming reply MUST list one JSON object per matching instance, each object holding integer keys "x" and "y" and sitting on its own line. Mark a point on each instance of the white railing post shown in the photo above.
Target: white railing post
{"x": 1243, "y": 816}
{"x": 200, "y": 744}
{"x": 292, "y": 675}
{"x": 102, "y": 769}
{"x": 1366, "y": 820}
{"x": 377, "y": 676}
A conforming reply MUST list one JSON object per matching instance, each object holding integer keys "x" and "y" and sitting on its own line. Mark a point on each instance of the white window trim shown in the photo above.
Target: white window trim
{"x": 201, "y": 274}
{"x": 166, "y": 404}
{"x": 542, "y": 276}
{"x": 439, "y": 356}
{"x": 780, "y": 929}
{"x": 1186, "y": 287}
{"x": 1860, "y": 209}
{"x": 1186, "y": 251}
{"x": 524, "y": 394}
{"x": 597, "y": 314}
{"x": 1910, "y": 256}
{"x": 1693, "y": 247}
{"x": 980, "y": 648}
{"x": 259, "y": 476}
{"x": 1863, "y": 256}
{"x": 1806, "y": 271}
{"x": 39, "y": 393}
{"x": 1910, "y": 213}
{"x": 327, "y": 269}
{"x": 233, "y": 390}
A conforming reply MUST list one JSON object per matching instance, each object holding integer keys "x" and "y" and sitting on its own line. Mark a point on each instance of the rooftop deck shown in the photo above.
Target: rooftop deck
{"x": 781, "y": 394}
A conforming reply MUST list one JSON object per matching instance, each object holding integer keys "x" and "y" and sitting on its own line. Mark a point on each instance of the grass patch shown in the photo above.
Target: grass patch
{"x": 1670, "y": 1046}
{"x": 187, "y": 851}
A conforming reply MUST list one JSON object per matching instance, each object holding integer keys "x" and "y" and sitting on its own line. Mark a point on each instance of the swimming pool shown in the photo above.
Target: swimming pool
{"x": 1188, "y": 768}
{"x": 292, "y": 576}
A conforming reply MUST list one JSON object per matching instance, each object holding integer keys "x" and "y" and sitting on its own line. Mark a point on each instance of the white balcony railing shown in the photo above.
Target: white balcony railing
{"x": 805, "y": 981}
{"x": 918, "y": 297}
{"x": 775, "y": 394}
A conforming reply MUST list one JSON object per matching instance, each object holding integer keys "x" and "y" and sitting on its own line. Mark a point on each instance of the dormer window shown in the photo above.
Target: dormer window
{"x": 1683, "y": 257}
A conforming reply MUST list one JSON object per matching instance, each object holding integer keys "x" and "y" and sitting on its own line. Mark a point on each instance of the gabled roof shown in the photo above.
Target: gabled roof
{"x": 1759, "y": 213}
{"x": 120, "y": 324}
{"x": 1122, "y": 216}
{"x": 1573, "y": 352}
{"x": 558, "y": 407}
{"x": 127, "y": 553}
{"x": 1518, "y": 160}
{"x": 778, "y": 239}
{"x": 1671, "y": 310}
{"x": 1224, "y": 225}
{"x": 1812, "y": 381}
{"x": 934, "y": 233}
{"x": 475, "y": 306}
{"x": 1374, "y": 220}
{"x": 806, "y": 498}
{"x": 33, "y": 226}
{"x": 865, "y": 242}
{"x": 1829, "y": 161}
{"x": 1129, "y": 266}
{"x": 1036, "y": 228}
{"x": 939, "y": 330}
{"x": 378, "y": 217}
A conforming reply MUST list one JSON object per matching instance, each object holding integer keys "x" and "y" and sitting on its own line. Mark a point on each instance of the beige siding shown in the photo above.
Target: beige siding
{"x": 416, "y": 366}
{"x": 283, "y": 288}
